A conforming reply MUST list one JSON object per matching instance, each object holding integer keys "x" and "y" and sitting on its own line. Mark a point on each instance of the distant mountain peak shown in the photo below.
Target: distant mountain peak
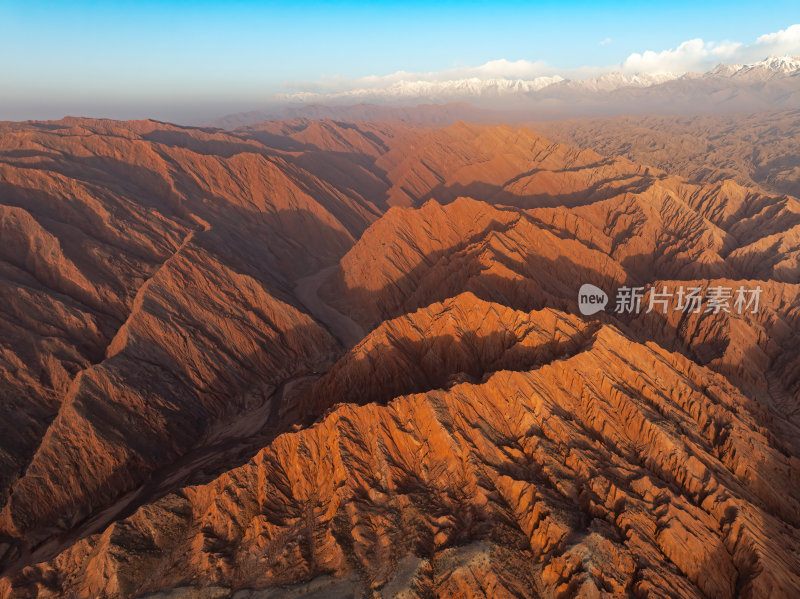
{"x": 784, "y": 64}
{"x": 763, "y": 69}
{"x": 468, "y": 87}
{"x": 475, "y": 88}
{"x": 769, "y": 84}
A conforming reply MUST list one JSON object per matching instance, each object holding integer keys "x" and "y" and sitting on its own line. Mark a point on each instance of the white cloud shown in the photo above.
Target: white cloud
{"x": 694, "y": 55}
{"x": 494, "y": 69}
{"x": 699, "y": 56}
{"x": 788, "y": 38}
{"x": 503, "y": 69}
{"x": 690, "y": 55}
{"x": 784, "y": 42}
{"x": 726, "y": 50}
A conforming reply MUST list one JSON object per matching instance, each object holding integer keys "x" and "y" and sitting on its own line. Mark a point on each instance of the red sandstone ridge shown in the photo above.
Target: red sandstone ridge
{"x": 347, "y": 359}
{"x": 540, "y": 257}
{"x": 608, "y": 467}
{"x": 757, "y": 150}
{"x": 150, "y": 306}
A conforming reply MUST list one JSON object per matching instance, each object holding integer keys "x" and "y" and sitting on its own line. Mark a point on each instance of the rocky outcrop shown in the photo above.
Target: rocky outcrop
{"x": 756, "y": 150}
{"x": 148, "y": 276}
{"x": 615, "y": 467}
{"x": 317, "y": 358}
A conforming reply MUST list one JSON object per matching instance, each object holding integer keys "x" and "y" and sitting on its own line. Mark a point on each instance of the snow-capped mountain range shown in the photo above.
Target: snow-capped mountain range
{"x": 476, "y": 88}
{"x": 774, "y": 66}
{"x": 769, "y": 84}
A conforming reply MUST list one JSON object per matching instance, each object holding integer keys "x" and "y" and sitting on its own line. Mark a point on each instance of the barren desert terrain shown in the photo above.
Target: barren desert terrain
{"x": 322, "y": 358}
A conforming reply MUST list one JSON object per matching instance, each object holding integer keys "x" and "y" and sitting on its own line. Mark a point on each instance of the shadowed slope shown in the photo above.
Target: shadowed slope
{"x": 174, "y": 269}
{"x": 175, "y": 300}
{"x": 593, "y": 472}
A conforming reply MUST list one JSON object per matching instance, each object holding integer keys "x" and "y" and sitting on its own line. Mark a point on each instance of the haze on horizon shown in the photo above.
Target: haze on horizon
{"x": 192, "y": 62}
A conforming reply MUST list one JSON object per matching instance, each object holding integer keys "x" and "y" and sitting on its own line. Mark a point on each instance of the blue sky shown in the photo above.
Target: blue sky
{"x": 134, "y": 59}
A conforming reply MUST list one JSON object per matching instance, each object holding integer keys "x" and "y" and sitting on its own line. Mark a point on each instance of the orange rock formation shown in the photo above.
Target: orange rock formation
{"x": 315, "y": 358}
